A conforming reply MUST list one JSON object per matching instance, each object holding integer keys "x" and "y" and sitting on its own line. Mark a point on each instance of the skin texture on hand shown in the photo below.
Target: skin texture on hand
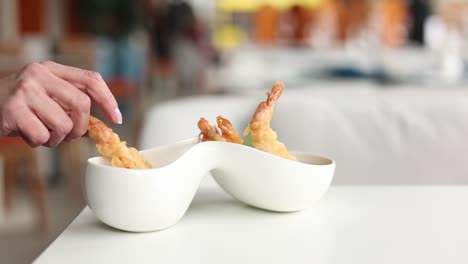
{"x": 47, "y": 103}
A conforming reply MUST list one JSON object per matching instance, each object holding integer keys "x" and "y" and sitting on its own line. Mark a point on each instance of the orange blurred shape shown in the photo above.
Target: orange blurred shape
{"x": 394, "y": 20}
{"x": 302, "y": 20}
{"x": 266, "y": 25}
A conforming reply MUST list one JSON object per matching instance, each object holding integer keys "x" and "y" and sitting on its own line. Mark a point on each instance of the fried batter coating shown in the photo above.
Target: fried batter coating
{"x": 228, "y": 131}
{"x": 110, "y": 146}
{"x": 264, "y": 138}
{"x": 209, "y": 132}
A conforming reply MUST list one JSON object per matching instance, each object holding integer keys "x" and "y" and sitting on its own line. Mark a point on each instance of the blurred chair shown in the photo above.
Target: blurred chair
{"x": 18, "y": 157}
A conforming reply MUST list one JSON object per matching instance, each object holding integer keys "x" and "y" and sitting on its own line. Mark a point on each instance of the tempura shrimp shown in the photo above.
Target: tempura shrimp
{"x": 264, "y": 138}
{"x": 110, "y": 146}
{"x": 209, "y": 132}
{"x": 228, "y": 131}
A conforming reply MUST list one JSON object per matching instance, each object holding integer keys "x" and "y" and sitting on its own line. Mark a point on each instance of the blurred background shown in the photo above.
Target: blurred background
{"x": 151, "y": 51}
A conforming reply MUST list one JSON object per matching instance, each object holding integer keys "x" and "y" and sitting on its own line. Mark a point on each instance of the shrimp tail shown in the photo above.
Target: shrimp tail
{"x": 208, "y": 131}
{"x": 228, "y": 131}
{"x": 263, "y": 137}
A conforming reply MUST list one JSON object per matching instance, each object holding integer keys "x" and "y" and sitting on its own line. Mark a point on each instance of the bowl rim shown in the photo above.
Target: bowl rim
{"x": 103, "y": 162}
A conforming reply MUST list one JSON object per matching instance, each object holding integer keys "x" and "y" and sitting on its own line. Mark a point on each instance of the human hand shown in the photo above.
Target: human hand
{"x": 49, "y": 102}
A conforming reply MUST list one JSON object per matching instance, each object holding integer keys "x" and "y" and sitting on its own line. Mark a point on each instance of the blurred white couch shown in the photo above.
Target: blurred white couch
{"x": 376, "y": 136}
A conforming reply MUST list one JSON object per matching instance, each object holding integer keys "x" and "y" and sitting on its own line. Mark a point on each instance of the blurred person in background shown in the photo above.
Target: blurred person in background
{"x": 444, "y": 35}
{"x": 301, "y": 20}
{"x": 113, "y": 23}
{"x": 159, "y": 29}
{"x": 47, "y": 103}
{"x": 181, "y": 41}
{"x": 419, "y": 10}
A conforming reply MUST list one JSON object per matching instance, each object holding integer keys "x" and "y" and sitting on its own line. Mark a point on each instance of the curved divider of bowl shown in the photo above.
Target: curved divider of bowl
{"x": 153, "y": 199}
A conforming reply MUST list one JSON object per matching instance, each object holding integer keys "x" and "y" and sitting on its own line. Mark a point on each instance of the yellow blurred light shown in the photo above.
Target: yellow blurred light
{"x": 238, "y": 5}
{"x": 252, "y": 5}
{"x": 228, "y": 37}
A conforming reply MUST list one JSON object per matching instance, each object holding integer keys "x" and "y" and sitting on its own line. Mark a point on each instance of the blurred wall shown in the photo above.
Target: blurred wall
{"x": 55, "y": 17}
{"x": 8, "y": 20}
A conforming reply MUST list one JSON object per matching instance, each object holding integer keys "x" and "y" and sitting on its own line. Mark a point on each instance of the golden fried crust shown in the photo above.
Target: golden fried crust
{"x": 263, "y": 137}
{"x": 110, "y": 146}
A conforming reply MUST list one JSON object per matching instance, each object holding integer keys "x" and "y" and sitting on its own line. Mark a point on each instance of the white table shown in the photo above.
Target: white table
{"x": 351, "y": 224}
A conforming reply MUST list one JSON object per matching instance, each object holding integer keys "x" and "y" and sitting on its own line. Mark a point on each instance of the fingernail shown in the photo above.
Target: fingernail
{"x": 118, "y": 115}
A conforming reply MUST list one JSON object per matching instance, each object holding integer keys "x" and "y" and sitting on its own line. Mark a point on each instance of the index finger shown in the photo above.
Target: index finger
{"x": 92, "y": 83}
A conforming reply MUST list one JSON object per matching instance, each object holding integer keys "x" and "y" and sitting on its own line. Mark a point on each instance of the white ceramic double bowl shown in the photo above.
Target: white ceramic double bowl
{"x": 154, "y": 199}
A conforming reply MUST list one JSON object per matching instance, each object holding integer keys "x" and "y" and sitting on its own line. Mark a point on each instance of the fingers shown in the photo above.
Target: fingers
{"x": 30, "y": 127}
{"x": 50, "y": 113}
{"x": 92, "y": 83}
{"x": 51, "y": 102}
{"x": 73, "y": 100}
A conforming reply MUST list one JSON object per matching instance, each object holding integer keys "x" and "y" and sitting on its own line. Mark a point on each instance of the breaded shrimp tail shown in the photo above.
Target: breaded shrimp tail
{"x": 110, "y": 146}
{"x": 228, "y": 131}
{"x": 209, "y": 132}
{"x": 264, "y": 138}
